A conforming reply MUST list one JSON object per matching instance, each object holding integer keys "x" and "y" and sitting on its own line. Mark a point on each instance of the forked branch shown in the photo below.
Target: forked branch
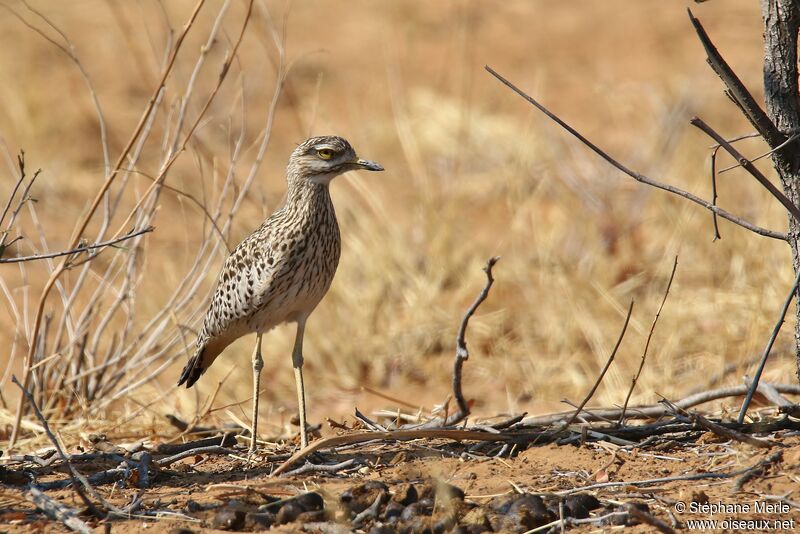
{"x": 736, "y": 90}
{"x": 84, "y": 248}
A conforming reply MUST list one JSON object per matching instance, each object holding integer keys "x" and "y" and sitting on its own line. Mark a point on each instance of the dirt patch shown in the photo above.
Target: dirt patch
{"x": 427, "y": 485}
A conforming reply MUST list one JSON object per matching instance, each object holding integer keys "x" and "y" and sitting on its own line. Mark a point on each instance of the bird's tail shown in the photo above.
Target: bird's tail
{"x": 193, "y": 369}
{"x": 207, "y": 351}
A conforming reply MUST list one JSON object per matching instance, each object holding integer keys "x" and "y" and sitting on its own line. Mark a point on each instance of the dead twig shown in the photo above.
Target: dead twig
{"x": 781, "y": 319}
{"x": 462, "y": 353}
{"x": 721, "y": 431}
{"x": 748, "y": 166}
{"x": 394, "y": 435}
{"x": 792, "y": 139}
{"x": 638, "y": 176}
{"x": 757, "y": 470}
{"x": 650, "y": 519}
{"x": 85, "y": 220}
{"x": 226, "y": 440}
{"x": 78, "y": 250}
{"x": 602, "y": 373}
{"x": 78, "y": 481}
{"x": 655, "y": 410}
{"x": 213, "y": 449}
{"x": 736, "y": 90}
{"x": 647, "y": 343}
{"x": 57, "y": 511}
{"x": 325, "y": 468}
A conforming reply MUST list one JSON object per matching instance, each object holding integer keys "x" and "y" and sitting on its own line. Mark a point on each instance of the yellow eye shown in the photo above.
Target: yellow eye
{"x": 325, "y": 153}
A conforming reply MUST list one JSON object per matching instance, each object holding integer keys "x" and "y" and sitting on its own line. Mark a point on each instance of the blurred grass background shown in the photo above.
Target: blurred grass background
{"x": 472, "y": 172}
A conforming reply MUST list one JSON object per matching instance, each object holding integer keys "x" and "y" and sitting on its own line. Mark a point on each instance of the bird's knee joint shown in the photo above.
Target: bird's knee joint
{"x": 258, "y": 364}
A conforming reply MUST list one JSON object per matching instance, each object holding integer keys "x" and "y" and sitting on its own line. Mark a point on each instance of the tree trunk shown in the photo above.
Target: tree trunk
{"x": 781, "y": 21}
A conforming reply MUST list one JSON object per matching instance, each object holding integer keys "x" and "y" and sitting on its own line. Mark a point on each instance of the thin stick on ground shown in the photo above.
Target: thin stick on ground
{"x": 79, "y": 483}
{"x": 462, "y": 353}
{"x": 647, "y": 343}
{"x": 57, "y": 511}
{"x": 719, "y": 430}
{"x": 768, "y": 349}
{"x": 655, "y": 410}
{"x": 394, "y": 435}
{"x": 602, "y": 373}
{"x": 636, "y": 175}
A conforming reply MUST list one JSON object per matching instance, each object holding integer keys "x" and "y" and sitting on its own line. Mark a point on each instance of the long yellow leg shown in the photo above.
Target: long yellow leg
{"x": 258, "y": 365}
{"x": 297, "y": 362}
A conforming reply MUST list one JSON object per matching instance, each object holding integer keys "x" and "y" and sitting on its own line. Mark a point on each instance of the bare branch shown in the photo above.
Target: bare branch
{"x": 647, "y": 343}
{"x": 602, "y": 373}
{"x": 736, "y": 89}
{"x": 748, "y": 166}
{"x": 78, "y": 250}
{"x": 84, "y": 223}
{"x": 754, "y": 385}
{"x": 462, "y": 353}
{"x": 638, "y": 176}
{"x": 792, "y": 139}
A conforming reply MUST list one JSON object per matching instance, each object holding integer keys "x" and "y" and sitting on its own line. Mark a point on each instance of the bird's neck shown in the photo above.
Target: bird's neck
{"x": 307, "y": 198}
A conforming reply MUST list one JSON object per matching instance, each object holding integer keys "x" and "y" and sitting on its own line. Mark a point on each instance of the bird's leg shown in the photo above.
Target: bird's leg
{"x": 258, "y": 364}
{"x": 297, "y": 362}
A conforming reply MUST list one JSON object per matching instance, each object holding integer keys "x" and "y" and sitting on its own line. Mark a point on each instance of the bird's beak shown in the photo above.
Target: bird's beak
{"x": 368, "y": 165}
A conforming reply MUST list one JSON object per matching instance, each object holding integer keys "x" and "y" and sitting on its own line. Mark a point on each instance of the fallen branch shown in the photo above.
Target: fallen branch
{"x": 395, "y": 435}
{"x": 757, "y": 470}
{"x": 57, "y": 511}
{"x": 728, "y": 433}
{"x": 226, "y": 440}
{"x": 74, "y": 476}
{"x": 655, "y": 410}
{"x": 213, "y": 449}
{"x": 324, "y": 468}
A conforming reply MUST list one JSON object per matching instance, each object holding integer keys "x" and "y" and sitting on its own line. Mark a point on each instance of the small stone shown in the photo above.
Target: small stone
{"x": 534, "y": 503}
{"x": 393, "y": 510}
{"x": 310, "y": 502}
{"x": 228, "y": 519}
{"x": 443, "y": 523}
{"x": 310, "y": 517}
{"x": 326, "y": 528}
{"x": 578, "y": 506}
{"x": 259, "y": 521}
{"x": 470, "y": 529}
{"x": 359, "y": 498}
{"x": 422, "y": 507}
{"x": 364, "y": 470}
{"x": 405, "y": 494}
{"x": 288, "y": 513}
{"x": 382, "y": 529}
{"x": 476, "y": 517}
{"x": 446, "y": 492}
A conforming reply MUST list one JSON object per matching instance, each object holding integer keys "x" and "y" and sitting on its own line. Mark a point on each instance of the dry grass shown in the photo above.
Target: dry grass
{"x": 472, "y": 172}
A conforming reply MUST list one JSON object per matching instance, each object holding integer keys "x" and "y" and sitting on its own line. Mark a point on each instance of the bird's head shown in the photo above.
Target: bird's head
{"x": 321, "y": 159}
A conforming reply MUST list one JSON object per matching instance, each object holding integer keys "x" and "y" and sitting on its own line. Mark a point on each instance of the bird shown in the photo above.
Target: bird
{"x": 282, "y": 270}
